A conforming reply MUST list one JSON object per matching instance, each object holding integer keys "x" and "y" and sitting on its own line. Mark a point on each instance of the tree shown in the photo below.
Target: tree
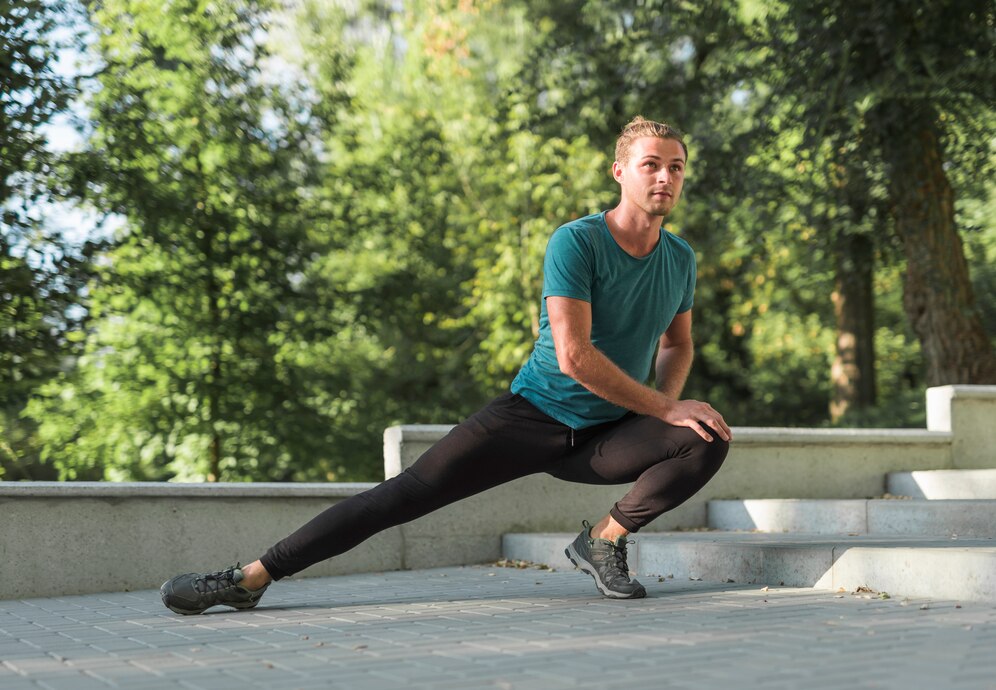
{"x": 197, "y": 357}
{"x": 901, "y": 75}
{"x": 41, "y": 275}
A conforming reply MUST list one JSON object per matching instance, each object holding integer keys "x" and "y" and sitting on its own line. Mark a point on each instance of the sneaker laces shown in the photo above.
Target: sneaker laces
{"x": 217, "y": 582}
{"x": 619, "y": 558}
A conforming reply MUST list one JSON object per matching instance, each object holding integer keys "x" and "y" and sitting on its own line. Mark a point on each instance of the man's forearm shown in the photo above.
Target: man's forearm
{"x": 596, "y": 372}
{"x": 673, "y": 365}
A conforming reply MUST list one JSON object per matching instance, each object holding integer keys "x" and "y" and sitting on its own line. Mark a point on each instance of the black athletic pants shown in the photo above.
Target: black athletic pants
{"x": 506, "y": 440}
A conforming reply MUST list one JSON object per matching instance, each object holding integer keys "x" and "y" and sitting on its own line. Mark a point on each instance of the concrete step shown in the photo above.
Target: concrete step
{"x": 962, "y": 518}
{"x": 960, "y": 569}
{"x": 943, "y": 484}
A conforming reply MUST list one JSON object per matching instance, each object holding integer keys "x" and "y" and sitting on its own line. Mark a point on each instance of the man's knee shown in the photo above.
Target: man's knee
{"x": 711, "y": 454}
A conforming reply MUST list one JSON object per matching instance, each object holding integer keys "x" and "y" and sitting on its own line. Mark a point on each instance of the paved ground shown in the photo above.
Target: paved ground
{"x": 491, "y": 627}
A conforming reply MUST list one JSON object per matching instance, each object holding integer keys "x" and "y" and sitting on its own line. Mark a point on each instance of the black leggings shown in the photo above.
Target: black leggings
{"x": 506, "y": 440}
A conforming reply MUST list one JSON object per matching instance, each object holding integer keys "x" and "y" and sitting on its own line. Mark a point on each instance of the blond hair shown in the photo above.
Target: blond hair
{"x": 639, "y": 127}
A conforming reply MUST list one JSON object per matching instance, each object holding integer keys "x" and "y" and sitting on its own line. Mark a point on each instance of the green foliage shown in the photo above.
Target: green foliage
{"x": 40, "y": 274}
{"x": 336, "y": 215}
{"x": 192, "y": 369}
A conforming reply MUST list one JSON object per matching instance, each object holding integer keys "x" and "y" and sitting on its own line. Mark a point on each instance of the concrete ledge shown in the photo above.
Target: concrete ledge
{"x": 965, "y": 518}
{"x": 968, "y": 413}
{"x": 429, "y": 434}
{"x": 791, "y": 436}
{"x": 177, "y": 490}
{"x": 901, "y": 566}
{"x": 78, "y": 539}
{"x": 943, "y": 484}
{"x": 790, "y": 515}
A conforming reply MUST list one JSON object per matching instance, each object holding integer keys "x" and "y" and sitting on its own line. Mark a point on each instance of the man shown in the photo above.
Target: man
{"x": 617, "y": 288}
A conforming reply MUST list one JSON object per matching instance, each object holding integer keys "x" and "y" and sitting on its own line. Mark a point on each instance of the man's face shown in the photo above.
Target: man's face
{"x": 652, "y": 177}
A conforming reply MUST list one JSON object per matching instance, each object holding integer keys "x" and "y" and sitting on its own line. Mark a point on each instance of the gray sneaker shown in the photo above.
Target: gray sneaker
{"x": 605, "y": 561}
{"x": 194, "y": 593}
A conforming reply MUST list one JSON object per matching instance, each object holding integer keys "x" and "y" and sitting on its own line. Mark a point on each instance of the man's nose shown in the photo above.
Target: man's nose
{"x": 664, "y": 175}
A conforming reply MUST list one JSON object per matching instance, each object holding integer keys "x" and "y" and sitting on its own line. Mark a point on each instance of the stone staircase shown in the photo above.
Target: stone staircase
{"x": 932, "y": 535}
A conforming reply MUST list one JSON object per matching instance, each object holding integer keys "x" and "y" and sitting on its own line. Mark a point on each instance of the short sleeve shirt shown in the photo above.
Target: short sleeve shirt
{"x": 633, "y": 300}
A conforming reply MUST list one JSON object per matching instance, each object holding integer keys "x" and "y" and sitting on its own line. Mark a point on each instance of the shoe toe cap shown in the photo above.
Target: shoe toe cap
{"x": 174, "y": 593}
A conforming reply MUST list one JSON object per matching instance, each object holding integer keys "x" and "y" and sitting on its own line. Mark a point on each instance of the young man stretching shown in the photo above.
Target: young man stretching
{"x": 615, "y": 286}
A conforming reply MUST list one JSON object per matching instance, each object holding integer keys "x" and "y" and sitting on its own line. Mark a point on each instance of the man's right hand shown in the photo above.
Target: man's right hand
{"x": 695, "y": 414}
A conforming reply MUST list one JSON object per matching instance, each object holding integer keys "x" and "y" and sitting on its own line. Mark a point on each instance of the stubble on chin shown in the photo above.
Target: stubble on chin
{"x": 659, "y": 208}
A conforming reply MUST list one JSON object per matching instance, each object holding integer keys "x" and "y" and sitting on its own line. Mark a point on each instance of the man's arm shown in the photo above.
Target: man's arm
{"x": 674, "y": 358}
{"x": 570, "y": 323}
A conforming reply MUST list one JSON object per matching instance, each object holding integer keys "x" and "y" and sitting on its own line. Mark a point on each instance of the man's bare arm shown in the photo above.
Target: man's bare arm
{"x": 674, "y": 358}
{"x": 570, "y": 323}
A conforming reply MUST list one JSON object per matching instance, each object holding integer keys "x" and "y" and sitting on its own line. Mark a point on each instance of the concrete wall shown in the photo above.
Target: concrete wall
{"x": 74, "y": 538}
{"x": 969, "y": 414}
{"x": 82, "y": 537}
{"x": 763, "y": 463}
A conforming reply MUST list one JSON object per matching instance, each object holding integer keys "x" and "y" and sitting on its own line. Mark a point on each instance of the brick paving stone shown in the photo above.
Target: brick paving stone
{"x": 487, "y": 627}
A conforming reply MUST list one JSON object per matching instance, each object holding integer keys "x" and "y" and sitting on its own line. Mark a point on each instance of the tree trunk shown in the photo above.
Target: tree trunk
{"x": 938, "y": 296}
{"x": 853, "y": 370}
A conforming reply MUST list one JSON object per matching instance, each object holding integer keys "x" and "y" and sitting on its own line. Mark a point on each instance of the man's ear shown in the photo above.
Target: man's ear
{"x": 617, "y": 170}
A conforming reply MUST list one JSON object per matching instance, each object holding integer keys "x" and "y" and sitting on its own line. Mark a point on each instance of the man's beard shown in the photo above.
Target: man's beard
{"x": 660, "y": 207}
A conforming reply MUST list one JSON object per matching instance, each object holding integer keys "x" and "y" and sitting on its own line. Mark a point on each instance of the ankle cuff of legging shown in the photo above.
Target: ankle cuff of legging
{"x": 623, "y": 520}
{"x": 275, "y": 572}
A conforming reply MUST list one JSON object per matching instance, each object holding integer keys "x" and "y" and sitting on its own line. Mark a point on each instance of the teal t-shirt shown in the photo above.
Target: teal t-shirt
{"x": 633, "y": 301}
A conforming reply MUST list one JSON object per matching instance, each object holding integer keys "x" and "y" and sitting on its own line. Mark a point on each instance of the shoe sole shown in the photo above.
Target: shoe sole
{"x": 194, "y": 612}
{"x": 582, "y": 565}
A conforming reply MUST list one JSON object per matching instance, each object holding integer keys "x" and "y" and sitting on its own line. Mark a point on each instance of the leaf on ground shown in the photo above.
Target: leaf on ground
{"x": 521, "y": 565}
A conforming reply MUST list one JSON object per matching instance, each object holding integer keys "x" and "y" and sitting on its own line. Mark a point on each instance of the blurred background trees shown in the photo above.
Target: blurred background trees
{"x": 329, "y": 217}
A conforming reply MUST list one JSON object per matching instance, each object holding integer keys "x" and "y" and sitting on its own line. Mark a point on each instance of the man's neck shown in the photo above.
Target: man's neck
{"x": 634, "y": 230}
